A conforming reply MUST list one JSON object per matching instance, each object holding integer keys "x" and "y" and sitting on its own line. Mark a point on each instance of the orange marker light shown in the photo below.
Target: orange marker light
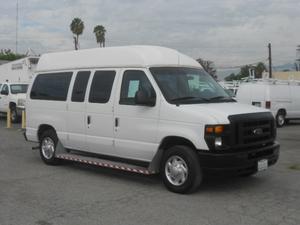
{"x": 219, "y": 129}
{"x": 209, "y": 130}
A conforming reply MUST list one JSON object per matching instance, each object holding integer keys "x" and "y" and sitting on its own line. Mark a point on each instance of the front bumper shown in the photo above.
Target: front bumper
{"x": 237, "y": 163}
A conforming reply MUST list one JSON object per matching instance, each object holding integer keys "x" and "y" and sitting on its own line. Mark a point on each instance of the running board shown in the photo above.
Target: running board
{"x": 105, "y": 163}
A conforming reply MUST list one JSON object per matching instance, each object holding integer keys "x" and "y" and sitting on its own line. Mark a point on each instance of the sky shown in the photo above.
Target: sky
{"x": 228, "y": 32}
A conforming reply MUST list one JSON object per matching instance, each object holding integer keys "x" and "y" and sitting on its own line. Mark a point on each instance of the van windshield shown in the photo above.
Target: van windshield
{"x": 181, "y": 85}
{"x": 18, "y": 88}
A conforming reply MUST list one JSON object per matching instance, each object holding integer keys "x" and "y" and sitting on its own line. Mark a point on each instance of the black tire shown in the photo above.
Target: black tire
{"x": 14, "y": 115}
{"x": 194, "y": 172}
{"x": 280, "y": 119}
{"x": 51, "y": 137}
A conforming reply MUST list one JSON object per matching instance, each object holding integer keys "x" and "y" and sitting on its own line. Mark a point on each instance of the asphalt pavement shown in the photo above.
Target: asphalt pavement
{"x": 32, "y": 193}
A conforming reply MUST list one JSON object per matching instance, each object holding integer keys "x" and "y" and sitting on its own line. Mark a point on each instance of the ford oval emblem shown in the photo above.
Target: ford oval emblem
{"x": 257, "y": 131}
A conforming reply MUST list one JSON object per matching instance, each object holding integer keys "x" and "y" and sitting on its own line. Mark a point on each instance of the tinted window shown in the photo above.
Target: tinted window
{"x": 133, "y": 81}
{"x": 101, "y": 86}
{"x": 51, "y": 86}
{"x": 80, "y": 84}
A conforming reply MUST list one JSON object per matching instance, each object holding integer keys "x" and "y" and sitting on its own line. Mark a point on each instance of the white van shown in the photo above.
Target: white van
{"x": 13, "y": 96}
{"x": 145, "y": 109}
{"x": 282, "y": 98}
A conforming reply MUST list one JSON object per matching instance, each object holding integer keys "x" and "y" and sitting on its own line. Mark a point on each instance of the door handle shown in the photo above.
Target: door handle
{"x": 88, "y": 120}
{"x": 116, "y": 122}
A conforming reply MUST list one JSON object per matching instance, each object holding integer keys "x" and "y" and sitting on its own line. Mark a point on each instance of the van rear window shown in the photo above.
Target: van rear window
{"x": 51, "y": 86}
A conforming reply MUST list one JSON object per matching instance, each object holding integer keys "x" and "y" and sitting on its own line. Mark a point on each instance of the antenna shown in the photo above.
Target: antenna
{"x": 17, "y": 23}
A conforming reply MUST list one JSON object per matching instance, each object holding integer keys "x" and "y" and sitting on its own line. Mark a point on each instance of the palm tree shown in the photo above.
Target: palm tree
{"x": 76, "y": 27}
{"x": 99, "y": 31}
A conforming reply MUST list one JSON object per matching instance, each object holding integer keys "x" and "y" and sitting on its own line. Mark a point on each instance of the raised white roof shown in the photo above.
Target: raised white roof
{"x": 126, "y": 56}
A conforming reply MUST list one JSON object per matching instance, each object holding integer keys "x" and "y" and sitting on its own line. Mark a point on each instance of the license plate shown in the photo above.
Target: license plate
{"x": 262, "y": 165}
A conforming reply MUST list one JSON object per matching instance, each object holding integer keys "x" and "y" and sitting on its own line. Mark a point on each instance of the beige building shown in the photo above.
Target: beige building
{"x": 289, "y": 75}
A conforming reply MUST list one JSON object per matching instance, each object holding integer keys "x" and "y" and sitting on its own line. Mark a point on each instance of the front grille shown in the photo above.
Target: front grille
{"x": 252, "y": 130}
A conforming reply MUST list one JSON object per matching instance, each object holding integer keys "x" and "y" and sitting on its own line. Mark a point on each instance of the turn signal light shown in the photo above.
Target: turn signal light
{"x": 217, "y": 129}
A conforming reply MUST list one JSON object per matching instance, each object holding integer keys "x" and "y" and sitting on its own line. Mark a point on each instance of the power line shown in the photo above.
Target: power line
{"x": 17, "y": 23}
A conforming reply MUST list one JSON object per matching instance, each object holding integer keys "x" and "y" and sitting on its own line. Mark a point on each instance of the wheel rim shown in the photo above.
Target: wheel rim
{"x": 48, "y": 148}
{"x": 176, "y": 170}
{"x": 280, "y": 119}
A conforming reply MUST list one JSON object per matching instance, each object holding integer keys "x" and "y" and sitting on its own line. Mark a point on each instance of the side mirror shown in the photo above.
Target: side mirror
{"x": 4, "y": 92}
{"x": 141, "y": 98}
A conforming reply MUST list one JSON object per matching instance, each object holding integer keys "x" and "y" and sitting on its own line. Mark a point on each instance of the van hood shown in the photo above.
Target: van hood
{"x": 212, "y": 113}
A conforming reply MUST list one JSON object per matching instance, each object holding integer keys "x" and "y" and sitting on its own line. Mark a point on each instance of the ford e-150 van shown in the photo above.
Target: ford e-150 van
{"x": 145, "y": 109}
{"x": 279, "y": 96}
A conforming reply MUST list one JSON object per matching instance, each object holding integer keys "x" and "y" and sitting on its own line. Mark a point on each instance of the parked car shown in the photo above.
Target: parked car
{"x": 145, "y": 109}
{"x": 279, "y": 96}
{"x": 13, "y": 97}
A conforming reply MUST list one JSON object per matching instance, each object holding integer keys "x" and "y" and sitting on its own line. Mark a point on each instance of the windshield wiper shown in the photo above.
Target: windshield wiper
{"x": 220, "y": 97}
{"x": 188, "y": 98}
{"x": 182, "y": 98}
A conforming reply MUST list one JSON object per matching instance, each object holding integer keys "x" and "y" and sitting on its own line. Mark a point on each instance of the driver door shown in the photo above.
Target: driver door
{"x": 135, "y": 128}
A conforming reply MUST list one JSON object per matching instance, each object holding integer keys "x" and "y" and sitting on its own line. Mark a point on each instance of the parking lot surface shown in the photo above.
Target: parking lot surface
{"x": 32, "y": 193}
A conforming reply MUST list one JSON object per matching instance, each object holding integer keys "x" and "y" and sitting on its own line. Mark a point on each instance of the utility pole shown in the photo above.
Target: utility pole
{"x": 270, "y": 60}
{"x": 17, "y": 23}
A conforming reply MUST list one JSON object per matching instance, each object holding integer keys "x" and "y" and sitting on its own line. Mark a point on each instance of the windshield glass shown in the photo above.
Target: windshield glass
{"x": 188, "y": 85}
{"x": 18, "y": 88}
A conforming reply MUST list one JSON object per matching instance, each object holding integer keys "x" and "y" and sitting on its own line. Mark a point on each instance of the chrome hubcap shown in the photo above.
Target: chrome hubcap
{"x": 176, "y": 170}
{"x": 48, "y": 148}
{"x": 280, "y": 119}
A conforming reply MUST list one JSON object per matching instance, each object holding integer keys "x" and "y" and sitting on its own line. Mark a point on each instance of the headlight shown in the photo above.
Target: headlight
{"x": 217, "y": 136}
{"x": 218, "y": 142}
{"x": 21, "y": 102}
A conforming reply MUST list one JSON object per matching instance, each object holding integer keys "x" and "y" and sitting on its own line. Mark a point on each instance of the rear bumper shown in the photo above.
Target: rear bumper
{"x": 238, "y": 163}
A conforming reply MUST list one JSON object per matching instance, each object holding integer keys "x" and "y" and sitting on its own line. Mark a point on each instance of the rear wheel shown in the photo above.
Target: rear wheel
{"x": 48, "y": 143}
{"x": 280, "y": 119}
{"x": 180, "y": 170}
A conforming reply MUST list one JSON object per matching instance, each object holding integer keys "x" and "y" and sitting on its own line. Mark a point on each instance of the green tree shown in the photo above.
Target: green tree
{"x": 77, "y": 27}
{"x": 231, "y": 77}
{"x": 99, "y": 32}
{"x": 209, "y": 67}
{"x": 7, "y": 54}
{"x": 259, "y": 69}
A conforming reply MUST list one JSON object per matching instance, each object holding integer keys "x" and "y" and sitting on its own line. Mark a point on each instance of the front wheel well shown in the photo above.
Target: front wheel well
{"x": 12, "y": 105}
{"x": 171, "y": 141}
{"x": 281, "y": 111}
{"x": 165, "y": 144}
{"x": 43, "y": 128}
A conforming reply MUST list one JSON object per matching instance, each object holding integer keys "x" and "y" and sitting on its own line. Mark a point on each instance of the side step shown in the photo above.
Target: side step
{"x": 105, "y": 163}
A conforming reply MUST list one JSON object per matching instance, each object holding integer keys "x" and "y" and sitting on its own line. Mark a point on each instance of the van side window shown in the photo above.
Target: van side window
{"x": 80, "y": 85}
{"x": 101, "y": 86}
{"x": 51, "y": 86}
{"x": 133, "y": 81}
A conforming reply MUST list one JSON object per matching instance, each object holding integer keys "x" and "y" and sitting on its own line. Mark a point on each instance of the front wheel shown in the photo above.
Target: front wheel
{"x": 180, "y": 170}
{"x": 48, "y": 143}
{"x": 280, "y": 119}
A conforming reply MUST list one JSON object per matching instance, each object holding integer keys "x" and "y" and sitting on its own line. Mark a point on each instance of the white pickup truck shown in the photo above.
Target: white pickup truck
{"x": 13, "y": 97}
